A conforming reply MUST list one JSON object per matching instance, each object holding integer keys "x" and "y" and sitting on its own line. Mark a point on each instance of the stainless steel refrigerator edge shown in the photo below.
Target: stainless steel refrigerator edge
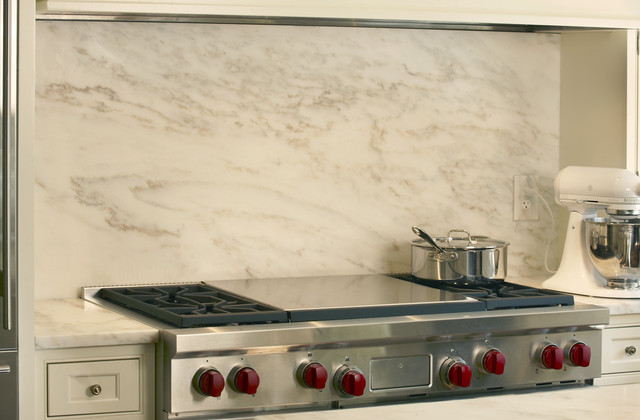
{"x": 8, "y": 205}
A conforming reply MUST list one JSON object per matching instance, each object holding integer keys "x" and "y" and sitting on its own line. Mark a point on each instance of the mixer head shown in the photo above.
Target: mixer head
{"x": 587, "y": 190}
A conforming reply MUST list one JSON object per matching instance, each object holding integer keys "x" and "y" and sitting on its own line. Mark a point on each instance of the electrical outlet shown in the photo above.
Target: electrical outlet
{"x": 525, "y": 197}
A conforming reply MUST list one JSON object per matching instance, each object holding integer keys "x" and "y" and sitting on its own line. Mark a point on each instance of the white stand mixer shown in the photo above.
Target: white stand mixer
{"x": 585, "y": 191}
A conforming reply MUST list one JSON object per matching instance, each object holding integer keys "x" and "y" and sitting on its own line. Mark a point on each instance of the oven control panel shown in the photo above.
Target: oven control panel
{"x": 338, "y": 374}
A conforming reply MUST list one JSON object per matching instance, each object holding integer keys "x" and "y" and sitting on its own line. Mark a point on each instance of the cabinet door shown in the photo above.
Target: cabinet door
{"x": 96, "y": 387}
{"x": 621, "y": 350}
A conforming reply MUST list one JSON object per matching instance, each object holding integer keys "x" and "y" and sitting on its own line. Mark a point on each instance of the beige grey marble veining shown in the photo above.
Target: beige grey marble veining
{"x": 184, "y": 152}
{"x": 72, "y": 322}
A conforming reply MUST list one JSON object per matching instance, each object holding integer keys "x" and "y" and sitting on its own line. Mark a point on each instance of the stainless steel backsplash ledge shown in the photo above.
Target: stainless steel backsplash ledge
{"x": 297, "y": 21}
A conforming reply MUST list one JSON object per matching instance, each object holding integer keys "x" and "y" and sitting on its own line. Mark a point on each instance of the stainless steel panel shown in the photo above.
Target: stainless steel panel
{"x": 373, "y": 346}
{"x": 8, "y": 163}
{"x": 5, "y": 289}
{"x": 9, "y": 385}
{"x": 8, "y": 213}
{"x": 280, "y": 389}
{"x": 276, "y": 351}
{"x": 147, "y": 13}
{"x": 272, "y": 338}
{"x": 400, "y": 372}
{"x": 322, "y": 292}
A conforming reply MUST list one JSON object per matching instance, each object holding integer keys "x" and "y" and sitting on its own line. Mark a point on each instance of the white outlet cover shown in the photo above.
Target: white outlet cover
{"x": 525, "y": 198}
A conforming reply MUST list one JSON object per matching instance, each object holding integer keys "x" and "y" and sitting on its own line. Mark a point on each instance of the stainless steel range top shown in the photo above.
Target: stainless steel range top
{"x": 279, "y": 300}
{"x": 350, "y": 340}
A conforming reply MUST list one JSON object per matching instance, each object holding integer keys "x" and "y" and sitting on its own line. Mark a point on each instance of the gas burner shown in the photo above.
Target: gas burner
{"x": 191, "y": 305}
{"x": 235, "y": 302}
{"x": 498, "y": 294}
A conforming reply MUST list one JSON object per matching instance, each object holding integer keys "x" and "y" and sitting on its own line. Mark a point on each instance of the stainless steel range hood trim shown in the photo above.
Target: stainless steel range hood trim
{"x": 8, "y": 158}
{"x": 186, "y": 343}
{"x": 301, "y": 21}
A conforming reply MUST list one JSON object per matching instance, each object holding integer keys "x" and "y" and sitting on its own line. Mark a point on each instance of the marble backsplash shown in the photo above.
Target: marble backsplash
{"x": 187, "y": 152}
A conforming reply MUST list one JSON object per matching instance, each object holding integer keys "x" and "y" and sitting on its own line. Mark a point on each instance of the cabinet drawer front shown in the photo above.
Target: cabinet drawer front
{"x": 108, "y": 386}
{"x": 621, "y": 350}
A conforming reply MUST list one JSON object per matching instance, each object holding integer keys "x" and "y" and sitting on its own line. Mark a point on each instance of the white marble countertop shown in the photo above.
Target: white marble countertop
{"x": 66, "y": 323}
{"x": 580, "y": 403}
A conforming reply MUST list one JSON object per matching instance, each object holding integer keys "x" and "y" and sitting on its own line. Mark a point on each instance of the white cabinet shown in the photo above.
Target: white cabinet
{"x": 96, "y": 382}
{"x": 621, "y": 350}
{"x": 93, "y": 387}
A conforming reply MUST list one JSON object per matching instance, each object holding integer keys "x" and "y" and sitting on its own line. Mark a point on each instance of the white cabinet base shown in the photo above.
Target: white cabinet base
{"x": 96, "y": 382}
{"x": 621, "y": 350}
{"x": 618, "y": 378}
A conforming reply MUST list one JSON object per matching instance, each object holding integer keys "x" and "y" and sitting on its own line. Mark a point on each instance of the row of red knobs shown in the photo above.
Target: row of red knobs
{"x": 459, "y": 373}
{"x": 353, "y": 382}
{"x": 246, "y": 381}
{"x": 493, "y": 361}
{"x": 552, "y": 356}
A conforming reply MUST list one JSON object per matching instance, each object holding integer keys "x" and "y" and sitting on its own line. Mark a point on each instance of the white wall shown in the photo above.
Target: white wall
{"x": 177, "y": 152}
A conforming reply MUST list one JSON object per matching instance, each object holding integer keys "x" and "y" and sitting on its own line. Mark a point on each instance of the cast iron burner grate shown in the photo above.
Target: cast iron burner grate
{"x": 497, "y": 294}
{"x": 193, "y": 305}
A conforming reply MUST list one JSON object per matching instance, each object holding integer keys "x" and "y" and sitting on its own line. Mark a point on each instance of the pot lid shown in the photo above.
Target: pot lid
{"x": 459, "y": 239}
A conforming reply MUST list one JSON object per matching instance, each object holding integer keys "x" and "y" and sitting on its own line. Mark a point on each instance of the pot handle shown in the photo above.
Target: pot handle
{"x": 447, "y": 256}
{"x": 468, "y": 238}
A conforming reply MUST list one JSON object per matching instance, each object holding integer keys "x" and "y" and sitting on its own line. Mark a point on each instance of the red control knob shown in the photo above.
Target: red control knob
{"x": 246, "y": 381}
{"x": 459, "y": 374}
{"x": 552, "y": 357}
{"x": 353, "y": 383}
{"x": 493, "y": 362}
{"x": 315, "y": 376}
{"x": 580, "y": 354}
{"x": 211, "y": 383}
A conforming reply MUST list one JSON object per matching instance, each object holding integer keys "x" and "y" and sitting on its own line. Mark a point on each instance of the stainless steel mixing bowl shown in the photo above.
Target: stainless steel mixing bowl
{"x": 614, "y": 249}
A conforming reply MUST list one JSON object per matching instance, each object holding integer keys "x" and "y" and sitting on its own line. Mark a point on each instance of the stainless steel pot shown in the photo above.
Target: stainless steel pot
{"x": 614, "y": 249}
{"x": 464, "y": 257}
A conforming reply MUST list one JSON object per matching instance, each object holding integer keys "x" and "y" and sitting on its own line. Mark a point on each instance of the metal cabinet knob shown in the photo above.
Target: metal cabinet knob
{"x": 631, "y": 350}
{"x": 95, "y": 389}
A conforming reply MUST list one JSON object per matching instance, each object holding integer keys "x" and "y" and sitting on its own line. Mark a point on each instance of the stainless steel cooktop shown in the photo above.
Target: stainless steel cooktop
{"x": 337, "y": 341}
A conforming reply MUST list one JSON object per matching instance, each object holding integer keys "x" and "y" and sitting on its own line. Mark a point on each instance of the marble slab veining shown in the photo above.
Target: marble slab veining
{"x": 181, "y": 152}
{"x": 70, "y": 323}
